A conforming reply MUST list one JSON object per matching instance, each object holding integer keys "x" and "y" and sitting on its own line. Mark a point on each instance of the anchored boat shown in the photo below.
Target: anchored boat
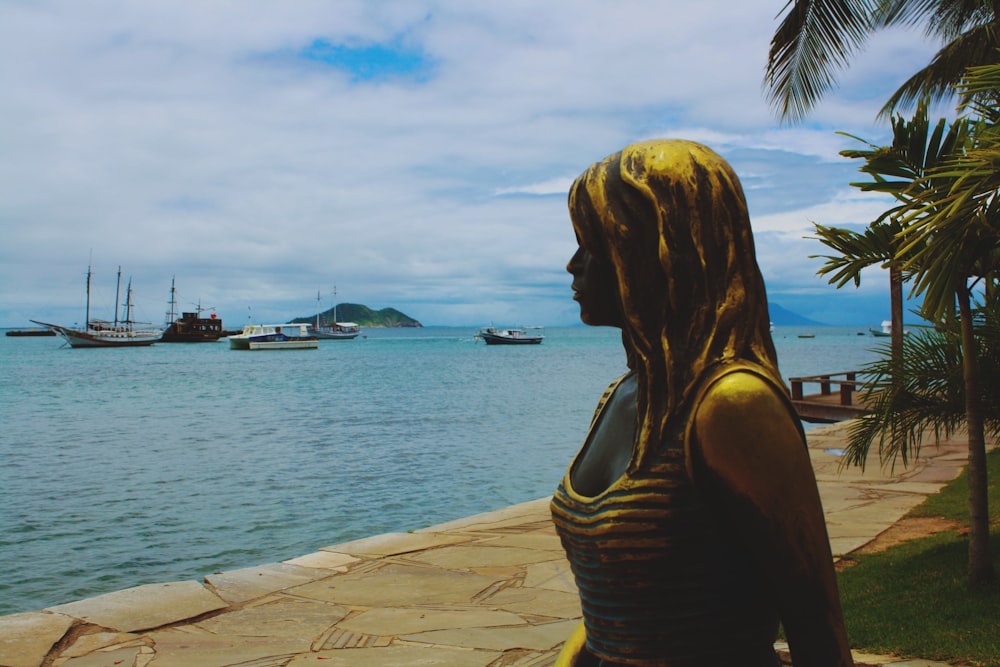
{"x": 274, "y": 337}
{"x": 102, "y": 333}
{"x": 495, "y": 336}
{"x": 190, "y": 327}
{"x": 334, "y": 330}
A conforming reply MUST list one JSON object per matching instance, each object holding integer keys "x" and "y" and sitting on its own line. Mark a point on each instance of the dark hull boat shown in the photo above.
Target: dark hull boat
{"x": 34, "y": 331}
{"x": 191, "y": 327}
{"x": 494, "y": 336}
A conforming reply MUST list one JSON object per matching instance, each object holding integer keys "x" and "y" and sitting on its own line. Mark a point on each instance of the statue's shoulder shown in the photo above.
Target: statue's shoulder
{"x": 739, "y": 404}
{"x": 737, "y": 382}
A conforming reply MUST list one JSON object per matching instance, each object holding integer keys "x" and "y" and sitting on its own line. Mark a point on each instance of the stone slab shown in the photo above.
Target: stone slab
{"x": 515, "y": 515}
{"x": 280, "y": 617}
{"x": 553, "y": 575}
{"x": 533, "y": 637}
{"x": 253, "y": 582}
{"x": 468, "y": 557}
{"x": 144, "y": 607}
{"x": 393, "y": 544}
{"x": 396, "y": 586}
{"x": 541, "y": 540}
{"x": 128, "y": 655}
{"x": 103, "y": 641}
{"x": 538, "y": 601}
{"x": 185, "y": 648}
{"x": 398, "y": 656}
{"x": 396, "y": 621}
{"x": 326, "y": 560}
{"x": 25, "y": 639}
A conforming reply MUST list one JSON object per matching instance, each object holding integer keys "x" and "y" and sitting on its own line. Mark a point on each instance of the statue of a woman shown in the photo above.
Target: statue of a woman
{"x": 690, "y": 516}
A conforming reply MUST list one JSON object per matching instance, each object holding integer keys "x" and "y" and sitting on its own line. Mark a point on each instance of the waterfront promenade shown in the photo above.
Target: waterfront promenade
{"x": 492, "y": 590}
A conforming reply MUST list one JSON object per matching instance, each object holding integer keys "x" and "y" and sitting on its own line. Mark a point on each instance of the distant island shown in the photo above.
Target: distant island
{"x": 784, "y": 317}
{"x": 362, "y": 316}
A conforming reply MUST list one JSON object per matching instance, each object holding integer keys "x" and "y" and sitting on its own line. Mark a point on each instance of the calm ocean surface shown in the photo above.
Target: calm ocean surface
{"x": 127, "y": 467}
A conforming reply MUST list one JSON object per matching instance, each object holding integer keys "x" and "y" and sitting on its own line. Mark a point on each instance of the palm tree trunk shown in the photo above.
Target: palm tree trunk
{"x": 980, "y": 570}
{"x": 896, "y": 312}
{"x": 996, "y": 20}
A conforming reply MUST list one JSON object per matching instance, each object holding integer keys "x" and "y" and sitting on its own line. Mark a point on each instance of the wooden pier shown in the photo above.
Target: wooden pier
{"x": 828, "y": 405}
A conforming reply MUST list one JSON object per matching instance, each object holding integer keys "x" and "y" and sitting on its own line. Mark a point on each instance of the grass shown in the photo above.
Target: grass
{"x": 912, "y": 600}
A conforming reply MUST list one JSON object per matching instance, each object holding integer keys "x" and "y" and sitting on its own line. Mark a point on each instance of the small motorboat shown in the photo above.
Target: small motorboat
{"x": 274, "y": 337}
{"x": 495, "y": 336}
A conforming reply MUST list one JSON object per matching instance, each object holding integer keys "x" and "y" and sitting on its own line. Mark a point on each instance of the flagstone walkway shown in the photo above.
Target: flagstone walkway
{"x": 492, "y": 590}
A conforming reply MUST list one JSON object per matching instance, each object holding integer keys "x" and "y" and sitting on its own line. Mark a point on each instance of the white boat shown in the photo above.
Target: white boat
{"x": 335, "y": 330}
{"x": 101, "y": 333}
{"x": 886, "y": 331}
{"x": 495, "y": 336}
{"x": 274, "y": 337}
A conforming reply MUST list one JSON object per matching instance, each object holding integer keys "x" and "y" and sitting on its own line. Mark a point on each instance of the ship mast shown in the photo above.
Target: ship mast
{"x": 128, "y": 304}
{"x": 118, "y": 288}
{"x": 172, "y": 313}
{"x": 86, "y": 323}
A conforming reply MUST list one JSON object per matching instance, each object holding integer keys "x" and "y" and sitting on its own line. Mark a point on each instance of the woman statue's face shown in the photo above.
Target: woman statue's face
{"x": 595, "y": 288}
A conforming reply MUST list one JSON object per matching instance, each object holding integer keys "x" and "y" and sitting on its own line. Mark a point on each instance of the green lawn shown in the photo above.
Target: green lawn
{"x": 912, "y": 599}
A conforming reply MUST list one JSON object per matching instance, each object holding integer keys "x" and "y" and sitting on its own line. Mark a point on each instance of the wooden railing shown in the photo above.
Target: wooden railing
{"x": 826, "y": 381}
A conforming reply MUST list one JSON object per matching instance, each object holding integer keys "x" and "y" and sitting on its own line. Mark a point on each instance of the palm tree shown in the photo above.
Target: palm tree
{"x": 932, "y": 396}
{"x": 951, "y": 232}
{"x": 899, "y": 170}
{"x": 818, "y": 37}
{"x": 856, "y": 251}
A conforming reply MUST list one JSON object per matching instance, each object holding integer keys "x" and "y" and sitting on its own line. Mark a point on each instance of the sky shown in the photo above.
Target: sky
{"x": 411, "y": 154}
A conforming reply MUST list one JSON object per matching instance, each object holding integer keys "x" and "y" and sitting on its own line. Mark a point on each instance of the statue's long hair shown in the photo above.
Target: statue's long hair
{"x": 671, "y": 218}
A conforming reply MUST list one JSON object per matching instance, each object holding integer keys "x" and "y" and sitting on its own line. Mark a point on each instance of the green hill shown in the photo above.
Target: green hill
{"x": 363, "y": 316}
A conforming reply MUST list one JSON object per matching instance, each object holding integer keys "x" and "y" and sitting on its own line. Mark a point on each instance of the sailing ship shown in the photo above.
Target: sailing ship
{"x": 102, "y": 333}
{"x": 190, "y": 327}
{"x": 334, "y": 330}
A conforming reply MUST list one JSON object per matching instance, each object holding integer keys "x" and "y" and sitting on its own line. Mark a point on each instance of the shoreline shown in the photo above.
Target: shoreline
{"x": 474, "y": 591}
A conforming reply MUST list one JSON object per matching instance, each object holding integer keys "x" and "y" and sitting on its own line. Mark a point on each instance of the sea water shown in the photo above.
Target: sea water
{"x": 121, "y": 467}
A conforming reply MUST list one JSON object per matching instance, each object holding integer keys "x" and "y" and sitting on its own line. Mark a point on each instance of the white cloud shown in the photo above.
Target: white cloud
{"x": 184, "y": 138}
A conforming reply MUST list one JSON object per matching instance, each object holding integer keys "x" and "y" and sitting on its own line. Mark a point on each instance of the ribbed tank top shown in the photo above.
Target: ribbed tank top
{"x": 660, "y": 583}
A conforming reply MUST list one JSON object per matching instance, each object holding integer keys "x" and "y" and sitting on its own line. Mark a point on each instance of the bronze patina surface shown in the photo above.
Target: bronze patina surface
{"x": 691, "y": 516}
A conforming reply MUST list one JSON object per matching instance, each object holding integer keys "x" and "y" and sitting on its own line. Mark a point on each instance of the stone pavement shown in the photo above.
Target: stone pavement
{"x": 492, "y": 590}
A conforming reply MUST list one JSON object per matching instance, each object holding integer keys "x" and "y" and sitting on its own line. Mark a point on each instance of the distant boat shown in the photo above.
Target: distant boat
{"x": 334, "y": 330}
{"x": 193, "y": 328}
{"x": 807, "y": 335}
{"x": 102, "y": 333}
{"x": 494, "y": 336}
{"x": 190, "y": 327}
{"x": 32, "y": 331}
{"x": 274, "y": 337}
{"x": 886, "y": 331}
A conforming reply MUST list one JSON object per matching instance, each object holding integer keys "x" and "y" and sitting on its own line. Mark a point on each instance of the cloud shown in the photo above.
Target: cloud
{"x": 414, "y": 154}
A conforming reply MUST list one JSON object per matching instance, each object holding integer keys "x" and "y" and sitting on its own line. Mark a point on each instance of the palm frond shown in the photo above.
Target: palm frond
{"x": 944, "y": 19}
{"x": 941, "y": 77}
{"x": 927, "y": 396}
{"x": 815, "y": 38}
{"x": 855, "y": 251}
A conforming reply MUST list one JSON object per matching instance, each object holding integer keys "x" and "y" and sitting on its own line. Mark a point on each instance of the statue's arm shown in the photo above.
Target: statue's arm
{"x": 746, "y": 455}
{"x": 574, "y": 652}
